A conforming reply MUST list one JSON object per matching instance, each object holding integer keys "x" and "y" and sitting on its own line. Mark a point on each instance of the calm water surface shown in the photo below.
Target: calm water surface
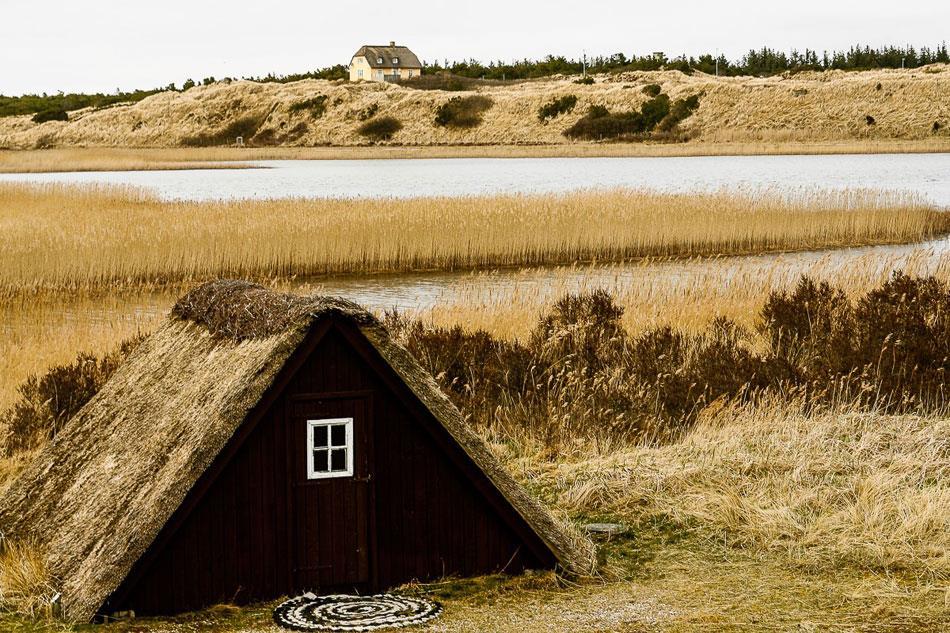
{"x": 925, "y": 174}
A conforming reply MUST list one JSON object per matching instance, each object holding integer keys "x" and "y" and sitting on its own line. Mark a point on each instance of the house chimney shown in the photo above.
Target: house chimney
{"x": 392, "y": 44}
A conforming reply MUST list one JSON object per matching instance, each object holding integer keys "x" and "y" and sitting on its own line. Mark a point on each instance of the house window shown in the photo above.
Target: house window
{"x": 395, "y": 60}
{"x": 359, "y": 73}
{"x": 379, "y": 60}
{"x": 329, "y": 448}
{"x": 410, "y": 74}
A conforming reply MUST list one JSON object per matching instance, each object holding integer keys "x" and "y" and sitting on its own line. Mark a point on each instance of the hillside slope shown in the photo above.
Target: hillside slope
{"x": 830, "y": 106}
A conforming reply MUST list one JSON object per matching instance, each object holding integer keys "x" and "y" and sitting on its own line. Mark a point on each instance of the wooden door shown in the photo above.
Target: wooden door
{"x": 331, "y": 494}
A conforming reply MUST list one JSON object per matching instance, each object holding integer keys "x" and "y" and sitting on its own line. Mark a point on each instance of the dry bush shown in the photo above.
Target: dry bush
{"x": 579, "y": 374}
{"x": 26, "y": 586}
{"x": 46, "y": 403}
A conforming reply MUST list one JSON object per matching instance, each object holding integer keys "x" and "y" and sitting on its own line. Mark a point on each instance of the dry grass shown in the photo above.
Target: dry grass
{"x": 108, "y": 159}
{"x": 138, "y": 159}
{"x": 760, "y": 520}
{"x": 805, "y": 107}
{"x": 69, "y": 238}
{"x": 26, "y": 587}
{"x": 824, "y": 491}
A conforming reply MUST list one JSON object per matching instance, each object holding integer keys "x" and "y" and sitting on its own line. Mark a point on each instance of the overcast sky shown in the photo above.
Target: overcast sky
{"x": 101, "y": 45}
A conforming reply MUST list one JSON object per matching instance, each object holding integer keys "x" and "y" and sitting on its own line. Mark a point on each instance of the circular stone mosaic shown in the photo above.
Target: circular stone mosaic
{"x": 311, "y": 612}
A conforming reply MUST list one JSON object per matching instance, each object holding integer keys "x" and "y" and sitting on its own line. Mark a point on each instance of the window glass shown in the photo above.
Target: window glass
{"x": 319, "y": 436}
{"x": 329, "y": 448}
{"x": 338, "y": 460}
{"x": 338, "y": 434}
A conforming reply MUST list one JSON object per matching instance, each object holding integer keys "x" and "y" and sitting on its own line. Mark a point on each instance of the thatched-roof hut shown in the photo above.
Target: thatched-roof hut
{"x": 260, "y": 444}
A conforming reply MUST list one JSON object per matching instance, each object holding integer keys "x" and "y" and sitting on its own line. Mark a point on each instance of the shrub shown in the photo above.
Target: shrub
{"x": 381, "y": 128}
{"x": 556, "y": 107}
{"x": 891, "y": 349}
{"x": 902, "y": 340}
{"x": 368, "y": 112}
{"x": 580, "y": 374}
{"x": 654, "y": 111}
{"x": 270, "y": 136}
{"x": 652, "y": 90}
{"x": 811, "y": 328}
{"x": 316, "y": 106}
{"x": 584, "y": 327}
{"x": 869, "y": 119}
{"x": 600, "y": 123}
{"x": 585, "y": 81}
{"x": 45, "y": 403}
{"x": 448, "y": 82}
{"x": 462, "y": 112}
{"x": 680, "y": 110}
{"x": 936, "y": 126}
{"x": 54, "y": 114}
{"x": 245, "y": 127}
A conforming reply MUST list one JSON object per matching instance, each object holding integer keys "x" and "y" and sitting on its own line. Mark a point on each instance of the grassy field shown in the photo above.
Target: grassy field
{"x": 71, "y": 238}
{"x": 738, "y": 527}
{"x": 137, "y": 159}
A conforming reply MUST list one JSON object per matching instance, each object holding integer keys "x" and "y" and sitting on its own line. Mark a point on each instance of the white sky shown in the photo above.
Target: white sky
{"x": 101, "y": 45}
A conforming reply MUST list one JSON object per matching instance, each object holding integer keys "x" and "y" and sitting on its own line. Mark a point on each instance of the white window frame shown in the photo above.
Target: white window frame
{"x": 395, "y": 61}
{"x": 348, "y": 445}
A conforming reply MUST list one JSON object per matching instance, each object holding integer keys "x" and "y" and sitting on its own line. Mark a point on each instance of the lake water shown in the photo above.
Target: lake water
{"x": 924, "y": 174}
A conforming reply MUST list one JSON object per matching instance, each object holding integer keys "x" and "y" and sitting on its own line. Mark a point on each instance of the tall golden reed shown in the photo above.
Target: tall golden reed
{"x": 67, "y": 238}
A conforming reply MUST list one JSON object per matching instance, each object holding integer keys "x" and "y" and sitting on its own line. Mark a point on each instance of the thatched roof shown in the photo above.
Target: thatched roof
{"x": 97, "y": 496}
{"x": 373, "y": 52}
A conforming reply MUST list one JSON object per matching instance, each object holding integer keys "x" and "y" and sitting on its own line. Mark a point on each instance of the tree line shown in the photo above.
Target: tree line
{"x": 763, "y": 61}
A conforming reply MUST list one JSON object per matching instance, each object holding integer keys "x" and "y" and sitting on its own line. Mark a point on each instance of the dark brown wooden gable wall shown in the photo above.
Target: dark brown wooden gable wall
{"x": 236, "y": 543}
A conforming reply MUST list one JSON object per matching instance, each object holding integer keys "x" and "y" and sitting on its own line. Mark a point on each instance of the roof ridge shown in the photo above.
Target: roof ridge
{"x": 241, "y": 310}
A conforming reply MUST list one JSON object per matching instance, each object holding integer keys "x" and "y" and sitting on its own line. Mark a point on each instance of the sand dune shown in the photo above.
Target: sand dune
{"x": 830, "y": 106}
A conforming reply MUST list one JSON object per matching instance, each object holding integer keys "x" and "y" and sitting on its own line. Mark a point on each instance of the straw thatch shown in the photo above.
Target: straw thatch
{"x": 374, "y": 52}
{"x": 97, "y": 496}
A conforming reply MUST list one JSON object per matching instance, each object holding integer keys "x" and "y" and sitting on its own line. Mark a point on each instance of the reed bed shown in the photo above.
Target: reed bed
{"x": 45, "y": 330}
{"x": 109, "y": 159}
{"x": 686, "y": 294}
{"x": 81, "y": 238}
{"x": 77, "y": 159}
